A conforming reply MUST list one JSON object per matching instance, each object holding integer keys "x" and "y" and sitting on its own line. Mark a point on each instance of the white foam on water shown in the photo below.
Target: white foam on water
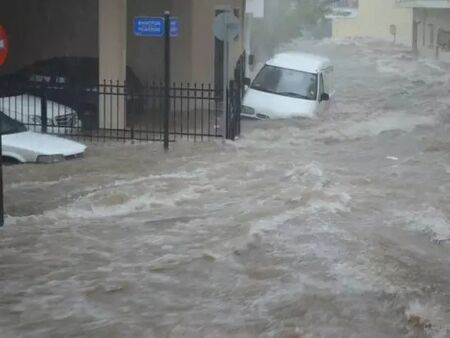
{"x": 433, "y": 64}
{"x": 13, "y": 221}
{"x": 429, "y": 317}
{"x": 392, "y": 158}
{"x": 359, "y": 278}
{"x": 316, "y": 192}
{"x": 168, "y": 261}
{"x": 333, "y": 201}
{"x": 430, "y": 221}
{"x": 128, "y": 197}
{"x": 378, "y": 124}
{"x": 176, "y": 175}
{"x": 26, "y": 184}
{"x": 311, "y": 174}
{"x": 281, "y": 138}
{"x": 124, "y": 196}
{"x": 119, "y": 204}
{"x": 396, "y": 67}
{"x": 352, "y": 41}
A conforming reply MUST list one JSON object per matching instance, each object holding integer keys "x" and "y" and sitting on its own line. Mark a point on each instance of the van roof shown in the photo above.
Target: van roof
{"x": 300, "y": 61}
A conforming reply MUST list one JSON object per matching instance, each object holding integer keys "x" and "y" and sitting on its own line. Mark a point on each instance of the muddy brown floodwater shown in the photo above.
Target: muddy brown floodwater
{"x": 335, "y": 227}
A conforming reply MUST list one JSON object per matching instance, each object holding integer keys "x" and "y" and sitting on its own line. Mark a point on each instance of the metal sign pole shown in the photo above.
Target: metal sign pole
{"x": 227, "y": 70}
{"x": 166, "y": 78}
{"x": 225, "y": 98}
{"x": 225, "y": 82}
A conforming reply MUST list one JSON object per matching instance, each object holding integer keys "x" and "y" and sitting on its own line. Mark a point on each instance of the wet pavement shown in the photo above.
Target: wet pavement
{"x": 335, "y": 227}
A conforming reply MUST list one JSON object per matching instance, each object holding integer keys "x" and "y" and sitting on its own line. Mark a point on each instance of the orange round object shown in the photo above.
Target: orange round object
{"x": 3, "y": 45}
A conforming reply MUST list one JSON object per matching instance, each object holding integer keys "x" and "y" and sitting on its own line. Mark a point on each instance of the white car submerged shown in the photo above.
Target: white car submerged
{"x": 290, "y": 85}
{"x": 23, "y": 145}
{"x": 26, "y": 109}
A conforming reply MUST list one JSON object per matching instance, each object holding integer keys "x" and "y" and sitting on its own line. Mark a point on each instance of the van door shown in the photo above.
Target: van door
{"x": 328, "y": 77}
{"x": 326, "y": 85}
{"x": 321, "y": 104}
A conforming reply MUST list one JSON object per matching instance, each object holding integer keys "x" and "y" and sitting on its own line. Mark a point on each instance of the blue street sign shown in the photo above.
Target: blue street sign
{"x": 154, "y": 26}
{"x": 174, "y": 27}
{"x": 148, "y": 26}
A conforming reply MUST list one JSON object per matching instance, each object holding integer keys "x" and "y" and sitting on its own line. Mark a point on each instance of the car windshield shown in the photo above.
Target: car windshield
{"x": 286, "y": 82}
{"x": 10, "y": 126}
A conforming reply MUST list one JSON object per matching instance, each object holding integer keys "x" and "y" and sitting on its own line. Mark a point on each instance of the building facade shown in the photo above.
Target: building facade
{"x": 379, "y": 19}
{"x": 104, "y": 30}
{"x": 39, "y": 30}
{"x": 431, "y": 27}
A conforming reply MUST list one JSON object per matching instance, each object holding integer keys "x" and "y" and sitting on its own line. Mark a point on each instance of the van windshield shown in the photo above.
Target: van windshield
{"x": 286, "y": 82}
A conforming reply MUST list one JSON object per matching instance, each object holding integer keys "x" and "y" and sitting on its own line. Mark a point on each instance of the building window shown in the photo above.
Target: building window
{"x": 431, "y": 29}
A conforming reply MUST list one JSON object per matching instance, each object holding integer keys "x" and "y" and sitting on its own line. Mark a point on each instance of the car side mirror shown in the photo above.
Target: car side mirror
{"x": 325, "y": 97}
{"x": 247, "y": 81}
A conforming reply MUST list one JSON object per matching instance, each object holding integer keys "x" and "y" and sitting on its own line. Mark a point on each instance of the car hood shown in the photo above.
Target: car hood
{"x": 33, "y": 144}
{"x": 277, "y": 106}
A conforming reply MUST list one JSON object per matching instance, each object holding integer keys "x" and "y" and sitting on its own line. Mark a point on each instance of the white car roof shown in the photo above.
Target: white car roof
{"x": 300, "y": 61}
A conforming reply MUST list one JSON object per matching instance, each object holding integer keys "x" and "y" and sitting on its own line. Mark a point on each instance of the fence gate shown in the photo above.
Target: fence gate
{"x": 123, "y": 111}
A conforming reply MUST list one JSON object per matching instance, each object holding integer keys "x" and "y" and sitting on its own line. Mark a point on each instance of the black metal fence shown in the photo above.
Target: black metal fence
{"x": 120, "y": 111}
{"x": 115, "y": 111}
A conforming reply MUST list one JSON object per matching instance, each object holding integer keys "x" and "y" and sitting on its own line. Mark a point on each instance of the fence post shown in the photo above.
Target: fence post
{"x": 131, "y": 114}
{"x": 44, "y": 108}
{"x": 166, "y": 78}
{"x": 228, "y": 105}
{"x": 232, "y": 111}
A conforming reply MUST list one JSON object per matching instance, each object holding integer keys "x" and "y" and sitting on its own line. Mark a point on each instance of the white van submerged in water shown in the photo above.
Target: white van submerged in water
{"x": 290, "y": 85}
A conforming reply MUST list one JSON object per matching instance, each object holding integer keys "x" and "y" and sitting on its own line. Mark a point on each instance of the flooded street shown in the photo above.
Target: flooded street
{"x": 335, "y": 227}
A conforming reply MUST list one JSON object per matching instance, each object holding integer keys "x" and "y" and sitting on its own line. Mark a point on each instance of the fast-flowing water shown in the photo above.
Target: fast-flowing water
{"x": 335, "y": 227}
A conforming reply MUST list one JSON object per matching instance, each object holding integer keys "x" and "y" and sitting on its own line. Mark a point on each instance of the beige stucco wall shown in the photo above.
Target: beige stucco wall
{"x": 374, "y": 20}
{"x": 112, "y": 59}
{"x": 182, "y": 45}
{"x": 145, "y": 54}
{"x": 439, "y": 19}
{"x": 192, "y": 51}
{"x": 43, "y": 29}
{"x": 203, "y": 38}
{"x": 112, "y": 39}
